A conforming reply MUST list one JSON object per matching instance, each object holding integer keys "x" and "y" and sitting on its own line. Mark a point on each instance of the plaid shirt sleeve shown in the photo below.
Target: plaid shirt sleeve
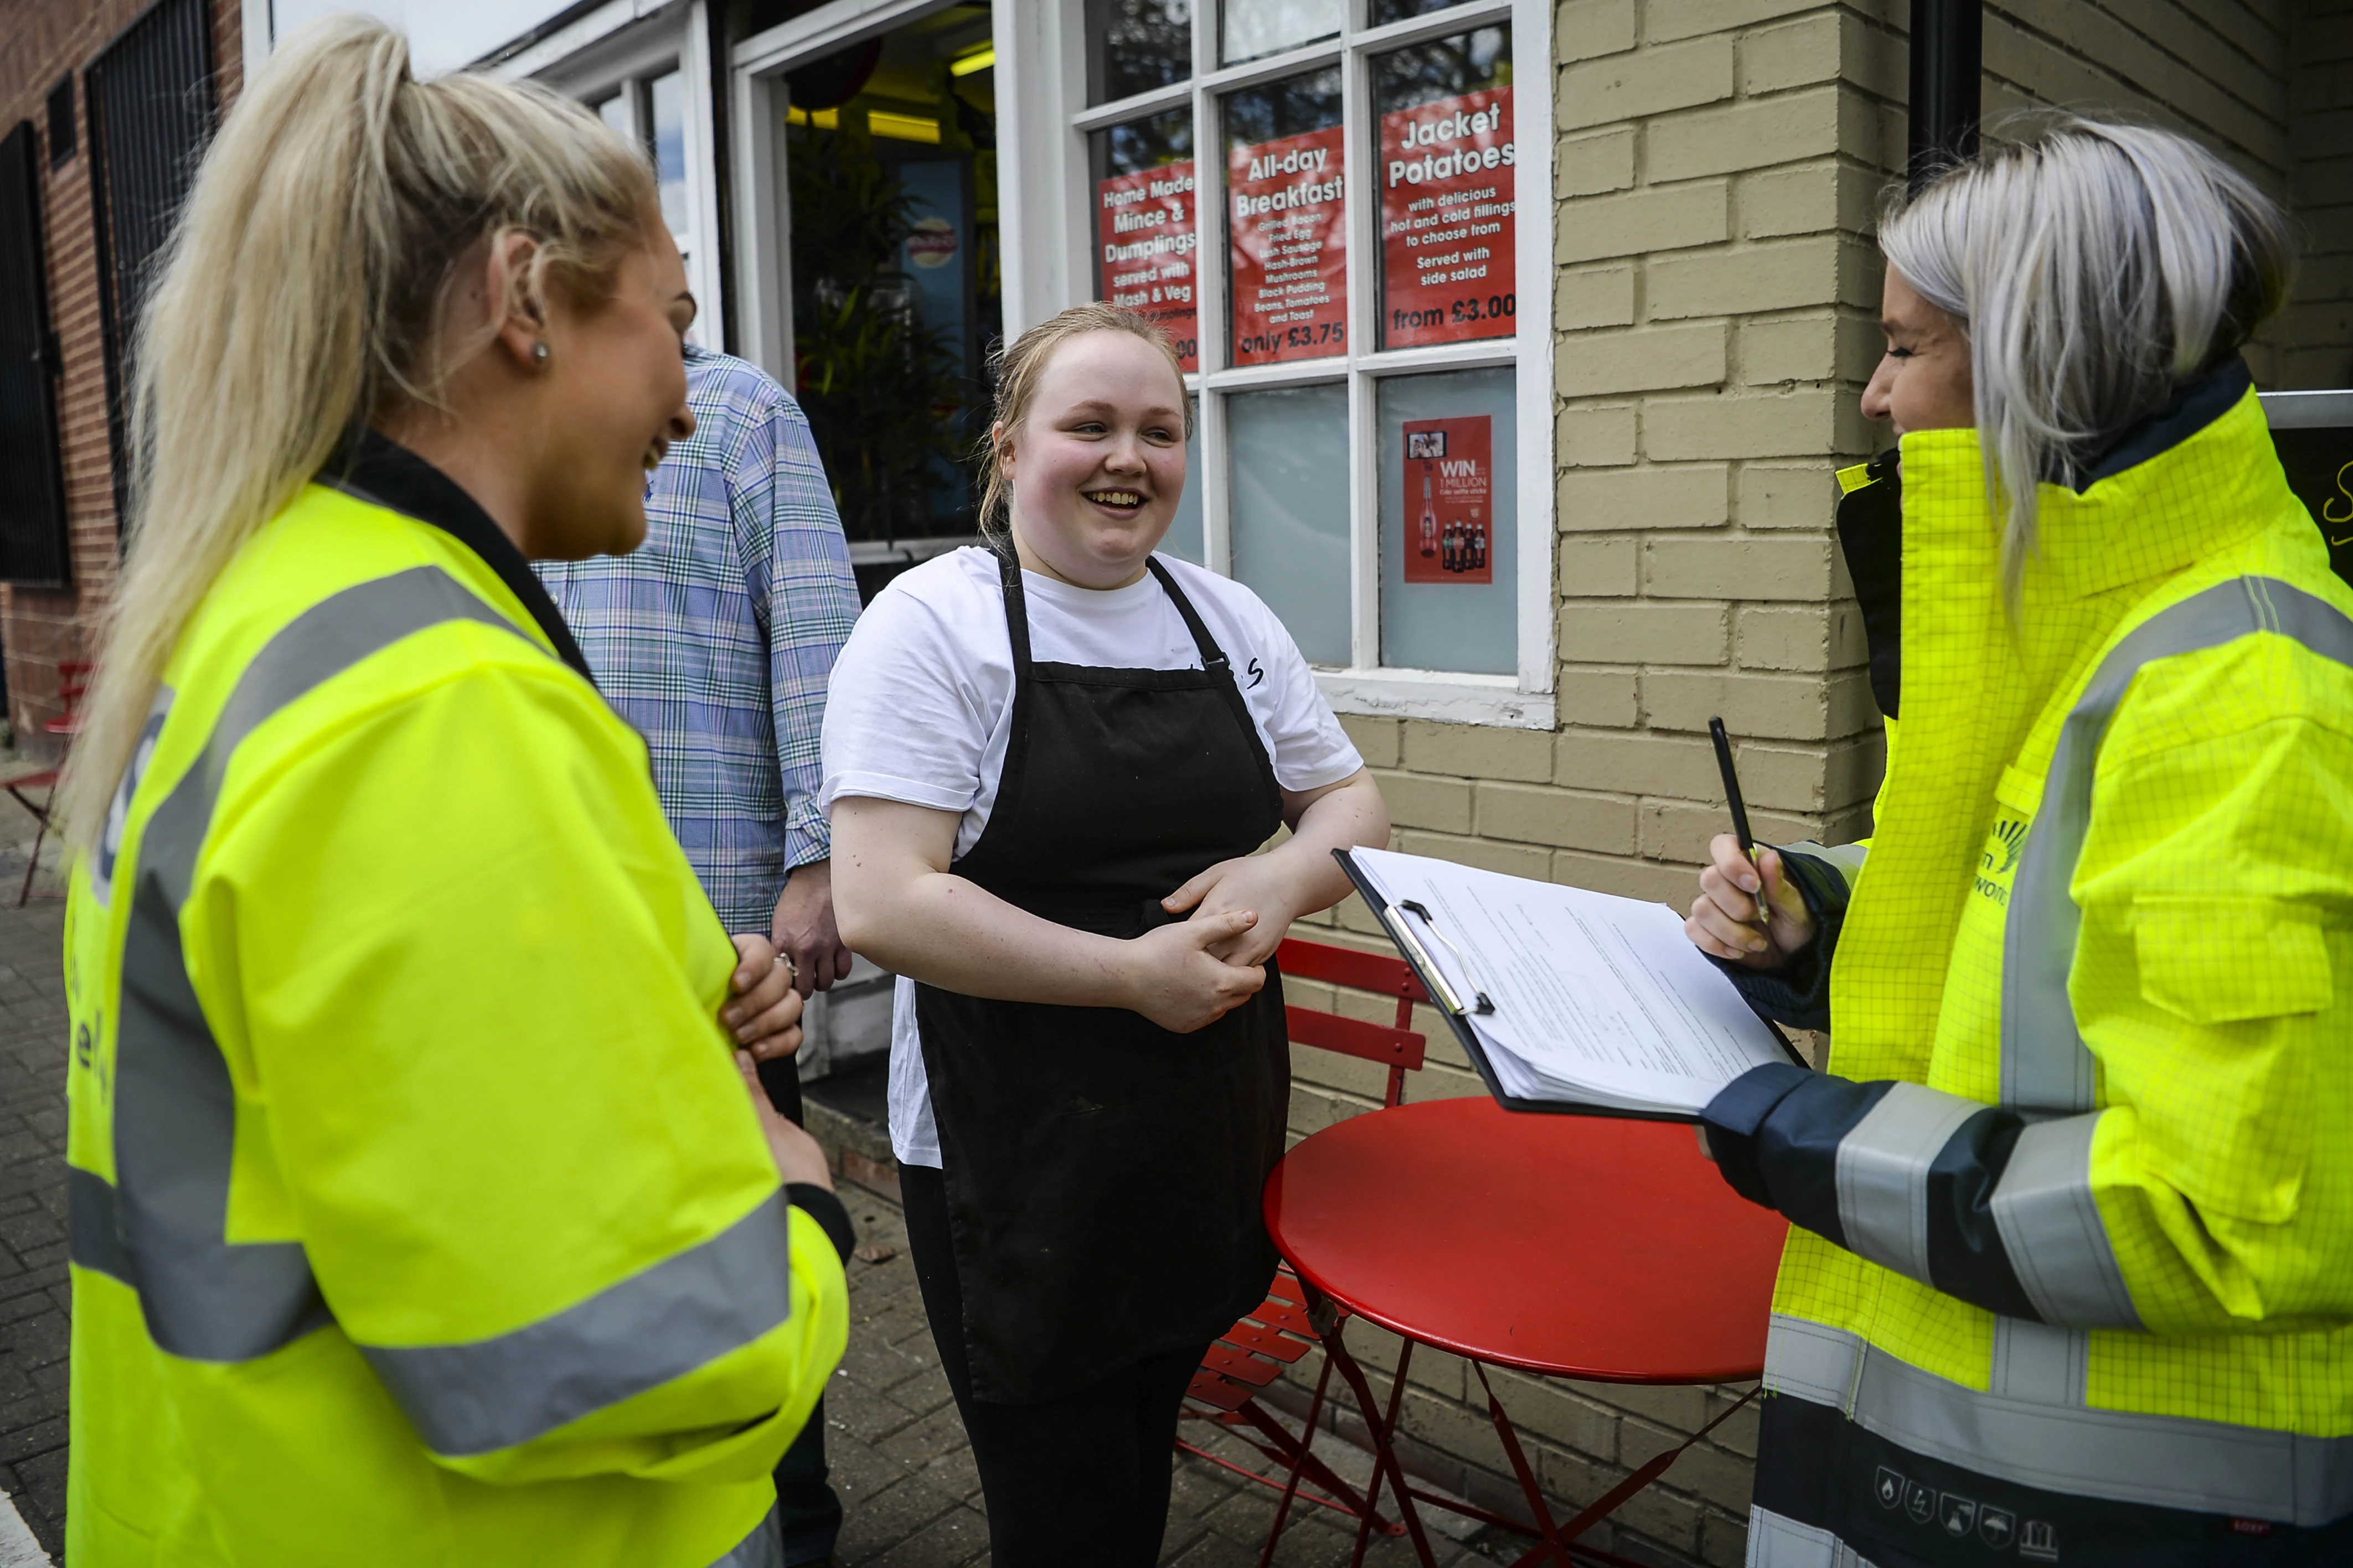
{"x": 804, "y": 597}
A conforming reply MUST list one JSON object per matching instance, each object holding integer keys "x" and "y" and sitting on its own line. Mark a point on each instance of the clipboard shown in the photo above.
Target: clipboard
{"x": 1458, "y": 1010}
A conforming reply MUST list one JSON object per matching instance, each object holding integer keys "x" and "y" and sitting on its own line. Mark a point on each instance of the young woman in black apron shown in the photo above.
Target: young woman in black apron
{"x": 1055, "y": 850}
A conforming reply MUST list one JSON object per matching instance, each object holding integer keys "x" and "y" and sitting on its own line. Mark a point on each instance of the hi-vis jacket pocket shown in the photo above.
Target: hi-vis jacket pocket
{"x": 2222, "y": 960}
{"x": 2229, "y": 1120}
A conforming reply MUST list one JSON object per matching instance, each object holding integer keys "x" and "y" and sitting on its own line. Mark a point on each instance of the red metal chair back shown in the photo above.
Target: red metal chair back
{"x": 1397, "y": 1048}
{"x": 73, "y": 681}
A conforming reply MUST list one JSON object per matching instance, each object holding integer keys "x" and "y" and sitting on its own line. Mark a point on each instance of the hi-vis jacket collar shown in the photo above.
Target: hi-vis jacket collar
{"x": 2119, "y": 519}
{"x": 374, "y": 467}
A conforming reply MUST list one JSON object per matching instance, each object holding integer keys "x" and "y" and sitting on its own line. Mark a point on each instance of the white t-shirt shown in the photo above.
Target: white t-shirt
{"x": 920, "y": 710}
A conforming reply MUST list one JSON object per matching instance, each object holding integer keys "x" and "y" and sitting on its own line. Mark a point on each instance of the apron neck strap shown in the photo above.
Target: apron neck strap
{"x": 1016, "y": 612}
{"x": 1017, "y": 606}
{"x": 1213, "y": 658}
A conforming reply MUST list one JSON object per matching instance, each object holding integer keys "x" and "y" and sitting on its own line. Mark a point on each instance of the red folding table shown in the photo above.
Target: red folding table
{"x": 1581, "y": 1247}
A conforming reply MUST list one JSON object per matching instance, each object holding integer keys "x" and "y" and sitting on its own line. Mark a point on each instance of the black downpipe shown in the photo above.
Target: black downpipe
{"x": 1948, "y": 65}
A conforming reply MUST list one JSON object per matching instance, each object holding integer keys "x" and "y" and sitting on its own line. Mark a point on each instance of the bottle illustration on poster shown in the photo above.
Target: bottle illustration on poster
{"x": 1454, "y": 461}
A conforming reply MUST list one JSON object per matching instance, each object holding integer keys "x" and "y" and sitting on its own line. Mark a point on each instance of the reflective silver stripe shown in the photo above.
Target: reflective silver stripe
{"x": 764, "y": 1548}
{"x": 1846, "y": 859}
{"x": 205, "y": 1298}
{"x": 2038, "y": 1364}
{"x": 1777, "y": 1541}
{"x": 1811, "y": 1361}
{"x": 2162, "y": 1461}
{"x": 2051, "y": 1227}
{"x": 1883, "y": 1173}
{"x": 681, "y": 1313}
{"x": 2045, "y": 1066}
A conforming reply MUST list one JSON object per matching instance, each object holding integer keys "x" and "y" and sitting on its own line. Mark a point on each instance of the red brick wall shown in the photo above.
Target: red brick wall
{"x": 41, "y": 40}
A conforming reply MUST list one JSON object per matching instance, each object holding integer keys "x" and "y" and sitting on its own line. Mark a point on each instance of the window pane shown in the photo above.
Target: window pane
{"x": 1446, "y": 161}
{"x": 1386, "y": 11}
{"x": 1144, "y": 228}
{"x": 1184, "y": 537}
{"x": 1252, "y": 29}
{"x": 1449, "y": 496}
{"x": 1135, "y": 45}
{"x": 615, "y": 113}
{"x": 1286, "y": 255}
{"x": 669, "y": 96}
{"x": 1290, "y": 456}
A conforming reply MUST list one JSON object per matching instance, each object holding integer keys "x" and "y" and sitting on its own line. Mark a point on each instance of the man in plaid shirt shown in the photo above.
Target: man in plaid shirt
{"x": 716, "y": 638}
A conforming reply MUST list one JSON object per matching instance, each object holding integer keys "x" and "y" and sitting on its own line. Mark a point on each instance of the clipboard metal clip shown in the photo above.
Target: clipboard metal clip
{"x": 1453, "y": 1003}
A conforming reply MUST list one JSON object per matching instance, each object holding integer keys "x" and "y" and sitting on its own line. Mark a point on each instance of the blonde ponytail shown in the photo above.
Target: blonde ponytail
{"x": 303, "y": 293}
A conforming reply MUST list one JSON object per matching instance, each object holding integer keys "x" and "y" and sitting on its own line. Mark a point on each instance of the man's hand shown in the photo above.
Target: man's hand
{"x": 804, "y": 929}
{"x": 798, "y": 1156}
{"x": 765, "y": 1014}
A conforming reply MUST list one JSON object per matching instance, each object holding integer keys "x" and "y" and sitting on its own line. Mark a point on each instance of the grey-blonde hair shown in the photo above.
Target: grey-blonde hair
{"x": 1021, "y": 363}
{"x": 304, "y": 292}
{"x": 2095, "y": 268}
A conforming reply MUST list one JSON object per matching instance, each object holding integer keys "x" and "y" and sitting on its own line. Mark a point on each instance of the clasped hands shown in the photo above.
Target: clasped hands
{"x": 1187, "y": 975}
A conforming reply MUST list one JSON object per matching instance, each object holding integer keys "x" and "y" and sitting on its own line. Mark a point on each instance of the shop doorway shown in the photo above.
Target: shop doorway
{"x": 895, "y": 288}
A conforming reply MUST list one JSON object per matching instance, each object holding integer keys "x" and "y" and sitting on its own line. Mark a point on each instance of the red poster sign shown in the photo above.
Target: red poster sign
{"x": 1447, "y": 224}
{"x": 1290, "y": 248}
{"x": 1143, "y": 223}
{"x": 1449, "y": 494}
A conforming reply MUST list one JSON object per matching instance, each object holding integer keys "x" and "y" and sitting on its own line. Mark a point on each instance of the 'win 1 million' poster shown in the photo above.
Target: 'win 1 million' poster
{"x": 1447, "y": 221}
{"x": 1450, "y": 499}
{"x": 1143, "y": 223}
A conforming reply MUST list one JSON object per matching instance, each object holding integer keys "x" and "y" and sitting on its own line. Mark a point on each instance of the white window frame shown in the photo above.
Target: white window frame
{"x": 764, "y": 241}
{"x": 1044, "y": 50}
{"x": 622, "y": 46}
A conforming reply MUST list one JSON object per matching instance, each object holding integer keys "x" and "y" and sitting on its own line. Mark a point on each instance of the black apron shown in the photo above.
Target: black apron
{"x": 1103, "y": 1174}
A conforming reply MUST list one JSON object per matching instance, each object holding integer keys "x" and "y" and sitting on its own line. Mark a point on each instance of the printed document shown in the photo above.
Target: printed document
{"x": 1595, "y": 999}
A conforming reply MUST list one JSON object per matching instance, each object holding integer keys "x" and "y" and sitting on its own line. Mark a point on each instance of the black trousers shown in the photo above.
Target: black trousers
{"x": 1077, "y": 1482}
{"x": 809, "y": 1514}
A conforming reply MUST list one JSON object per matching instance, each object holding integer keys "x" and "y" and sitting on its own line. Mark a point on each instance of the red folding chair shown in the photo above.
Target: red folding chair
{"x": 1279, "y": 1331}
{"x": 73, "y": 680}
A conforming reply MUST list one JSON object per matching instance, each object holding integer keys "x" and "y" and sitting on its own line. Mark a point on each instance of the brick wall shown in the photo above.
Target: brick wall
{"x": 41, "y": 40}
{"x": 2317, "y": 350}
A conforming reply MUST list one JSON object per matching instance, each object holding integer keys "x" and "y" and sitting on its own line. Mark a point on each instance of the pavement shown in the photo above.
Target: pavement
{"x": 34, "y": 1299}
{"x": 909, "y": 1489}
{"x": 911, "y": 1495}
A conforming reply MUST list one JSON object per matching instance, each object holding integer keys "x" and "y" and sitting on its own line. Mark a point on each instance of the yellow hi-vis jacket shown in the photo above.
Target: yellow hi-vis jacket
{"x": 419, "y": 1215}
{"x": 2077, "y": 1208}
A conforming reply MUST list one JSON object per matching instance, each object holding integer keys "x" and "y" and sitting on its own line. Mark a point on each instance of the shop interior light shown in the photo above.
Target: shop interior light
{"x": 903, "y": 127}
{"x": 979, "y": 57}
{"x": 824, "y": 118}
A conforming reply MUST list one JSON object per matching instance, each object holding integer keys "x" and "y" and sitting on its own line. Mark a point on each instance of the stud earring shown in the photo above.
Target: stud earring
{"x": 538, "y": 354}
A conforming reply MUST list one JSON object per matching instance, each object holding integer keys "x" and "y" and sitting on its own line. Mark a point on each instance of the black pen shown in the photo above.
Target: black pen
{"x": 1739, "y": 813}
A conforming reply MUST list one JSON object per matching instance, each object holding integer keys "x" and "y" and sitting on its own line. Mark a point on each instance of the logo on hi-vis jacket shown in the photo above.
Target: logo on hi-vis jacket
{"x": 1998, "y": 865}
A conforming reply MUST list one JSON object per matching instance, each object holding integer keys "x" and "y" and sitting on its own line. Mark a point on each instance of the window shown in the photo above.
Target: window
{"x": 652, "y": 111}
{"x": 148, "y": 98}
{"x": 1318, "y": 199}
